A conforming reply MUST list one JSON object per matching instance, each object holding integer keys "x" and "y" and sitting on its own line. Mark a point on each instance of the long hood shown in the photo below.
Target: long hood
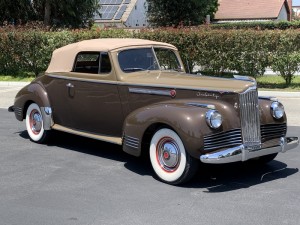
{"x": 186, "y": 81}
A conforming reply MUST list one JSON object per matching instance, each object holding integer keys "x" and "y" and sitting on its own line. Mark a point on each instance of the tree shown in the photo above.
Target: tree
{"x": 60, "y": 13}
{"x": 70, "y": 13}
{"x": 15, "y": 12}
{"x": 180, "y": 12}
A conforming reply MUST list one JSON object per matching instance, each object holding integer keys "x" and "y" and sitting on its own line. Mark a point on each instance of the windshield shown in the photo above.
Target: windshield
{"x": 132, "y": 60}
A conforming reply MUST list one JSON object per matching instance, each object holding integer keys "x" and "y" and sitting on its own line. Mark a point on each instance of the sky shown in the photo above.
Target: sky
{"x": 296, "y": 2}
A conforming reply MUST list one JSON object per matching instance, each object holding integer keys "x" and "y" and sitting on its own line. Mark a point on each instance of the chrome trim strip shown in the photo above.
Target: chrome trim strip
{"x": 240, "y": 153}
{"x": 131, "y": 142}
{"x": 81, "y": 79}
{"x": 132, "y": 146}
{"x": 18, "y": 110}
{"x": 149, "y": 91}
{"x": 111, "y": 139}
{"x": 206, "y": 106}
{"x": 141, "y": 85}
{"x": 130, "y": 137}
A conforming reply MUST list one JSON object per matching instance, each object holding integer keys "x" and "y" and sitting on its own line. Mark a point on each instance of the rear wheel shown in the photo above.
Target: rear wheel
{"x": 171, "y": 163}
{"x": 34, "y": 124}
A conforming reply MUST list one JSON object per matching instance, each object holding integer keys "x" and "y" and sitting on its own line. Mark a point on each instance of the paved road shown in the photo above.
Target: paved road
{"x": 74, "y": 180}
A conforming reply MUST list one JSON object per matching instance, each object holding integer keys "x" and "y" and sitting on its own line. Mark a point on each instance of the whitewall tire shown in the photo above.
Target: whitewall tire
{"x": 34, "y": 124}
{"x": 170, "y": 162}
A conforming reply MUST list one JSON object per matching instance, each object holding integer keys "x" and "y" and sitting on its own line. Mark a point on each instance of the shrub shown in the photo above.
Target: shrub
{"x": 270, "y": 25}
{"x": 215, "y": 52}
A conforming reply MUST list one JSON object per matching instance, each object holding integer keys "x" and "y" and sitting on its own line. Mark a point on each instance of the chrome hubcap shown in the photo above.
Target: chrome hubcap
{"x": 35, "y": 121}
{"x": 168, "y": 154}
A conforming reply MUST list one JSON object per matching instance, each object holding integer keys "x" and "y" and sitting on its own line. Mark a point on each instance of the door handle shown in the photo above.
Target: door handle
{"x": 69, "y": 85}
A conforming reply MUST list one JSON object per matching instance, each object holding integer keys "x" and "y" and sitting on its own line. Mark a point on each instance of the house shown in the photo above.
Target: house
{"x": 253, "y": 10}
{"x": 296, "y": 9}
{"x": 122, "y": 13}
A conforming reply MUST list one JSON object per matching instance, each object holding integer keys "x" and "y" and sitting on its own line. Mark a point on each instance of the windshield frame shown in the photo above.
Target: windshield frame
{"x": 158, "y": 64}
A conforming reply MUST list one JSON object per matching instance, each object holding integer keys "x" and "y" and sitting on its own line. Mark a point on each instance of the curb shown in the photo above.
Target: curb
{"x": 279, "y": 94}
{"x": 13, "y": 84}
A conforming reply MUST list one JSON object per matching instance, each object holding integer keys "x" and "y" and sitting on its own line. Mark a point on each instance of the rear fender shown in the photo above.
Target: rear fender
{"x": 33, "y": 92}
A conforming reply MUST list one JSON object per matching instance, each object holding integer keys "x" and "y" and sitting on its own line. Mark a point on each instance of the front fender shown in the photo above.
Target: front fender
{"x": 186, "y": 120}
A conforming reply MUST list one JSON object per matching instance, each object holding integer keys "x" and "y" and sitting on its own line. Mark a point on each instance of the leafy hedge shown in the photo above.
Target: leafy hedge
{"x": 30, "y": 50}
{"x": 247, "y": 52}
{"x": 269, "y": 25}
{"x": 215, "y": 52}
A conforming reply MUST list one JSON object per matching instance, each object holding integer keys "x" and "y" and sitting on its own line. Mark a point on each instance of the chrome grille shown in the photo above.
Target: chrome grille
{"x": 249, "y": 115}
{"x": 223, "y": 140}
{"x": 272, "y": 131}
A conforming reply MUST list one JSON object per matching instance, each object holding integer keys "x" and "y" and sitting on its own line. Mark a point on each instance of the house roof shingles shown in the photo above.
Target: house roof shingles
{"x": 248, "y": 9}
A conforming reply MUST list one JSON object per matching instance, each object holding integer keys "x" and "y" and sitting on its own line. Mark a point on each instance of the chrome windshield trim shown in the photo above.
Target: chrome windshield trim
{"x": 206, "y": 106}
{"x": 149, "y": 91}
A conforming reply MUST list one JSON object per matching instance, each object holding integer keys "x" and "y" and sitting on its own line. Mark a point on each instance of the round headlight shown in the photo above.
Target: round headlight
{"x": 213, "y": 119}
{"x": 277, "y": 110}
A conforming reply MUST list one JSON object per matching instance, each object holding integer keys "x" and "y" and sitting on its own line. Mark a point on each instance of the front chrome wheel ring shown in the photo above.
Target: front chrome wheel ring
{"x": 35, "y": 121}
{"x": 168, "y": 154}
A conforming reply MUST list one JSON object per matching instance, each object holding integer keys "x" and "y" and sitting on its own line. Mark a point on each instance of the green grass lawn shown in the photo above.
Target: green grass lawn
{"x": 264, "y": 82}
{"x": 16, "y": 78}
{"x": 277, "y": 83}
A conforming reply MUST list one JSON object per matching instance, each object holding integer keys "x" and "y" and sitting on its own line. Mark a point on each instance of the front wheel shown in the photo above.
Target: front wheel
{"x": 171, "y": 163}
{"x": 35, "y": 125}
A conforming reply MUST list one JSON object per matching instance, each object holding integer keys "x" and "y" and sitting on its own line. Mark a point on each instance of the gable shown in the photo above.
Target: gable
{"x": 249, "y": 9}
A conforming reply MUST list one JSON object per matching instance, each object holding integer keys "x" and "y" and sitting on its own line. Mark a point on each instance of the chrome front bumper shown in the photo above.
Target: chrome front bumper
{"x": 240, "y": 153}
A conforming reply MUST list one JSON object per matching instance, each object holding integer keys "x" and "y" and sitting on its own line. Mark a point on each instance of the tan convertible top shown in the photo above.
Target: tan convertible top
{"x": 63, "y": 58}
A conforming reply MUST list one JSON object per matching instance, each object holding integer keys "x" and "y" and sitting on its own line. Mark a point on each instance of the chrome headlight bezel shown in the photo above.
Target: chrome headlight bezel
{"x": 277, "y": 110}
{"x": 213, "y": 119}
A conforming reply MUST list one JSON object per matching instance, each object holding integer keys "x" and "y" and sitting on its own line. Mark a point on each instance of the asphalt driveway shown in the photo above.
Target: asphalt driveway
{"x": 75, "y": 180}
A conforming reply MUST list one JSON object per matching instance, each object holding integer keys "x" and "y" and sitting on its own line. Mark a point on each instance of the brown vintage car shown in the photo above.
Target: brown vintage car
{"x": 135, "y": 93}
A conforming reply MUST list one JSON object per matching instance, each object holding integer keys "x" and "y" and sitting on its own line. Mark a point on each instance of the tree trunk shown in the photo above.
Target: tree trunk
{"x": 47, "y": 13}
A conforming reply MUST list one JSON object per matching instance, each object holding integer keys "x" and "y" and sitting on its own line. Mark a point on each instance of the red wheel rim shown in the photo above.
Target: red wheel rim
{"x": 35, "y": 121}
{"x": 168, "y": 154}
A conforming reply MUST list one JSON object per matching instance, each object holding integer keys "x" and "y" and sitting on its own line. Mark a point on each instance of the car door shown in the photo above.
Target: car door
{"x": 90, "y": 101}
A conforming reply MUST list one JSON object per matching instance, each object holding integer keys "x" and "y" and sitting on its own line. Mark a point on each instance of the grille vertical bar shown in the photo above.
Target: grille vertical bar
{"x": 250, "y": 121}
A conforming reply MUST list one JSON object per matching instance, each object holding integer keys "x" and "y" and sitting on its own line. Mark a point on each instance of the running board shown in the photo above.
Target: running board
{"x": 110, "y": 139}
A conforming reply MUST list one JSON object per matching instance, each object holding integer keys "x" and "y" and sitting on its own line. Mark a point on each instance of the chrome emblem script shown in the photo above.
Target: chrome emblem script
{"x": 207, "y": 94}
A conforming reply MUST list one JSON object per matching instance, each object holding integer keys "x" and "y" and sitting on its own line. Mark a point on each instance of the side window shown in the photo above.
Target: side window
{"x": 167, "y": 59}
{"x": 105, "y": 65}
{"x": 87, "y": 62}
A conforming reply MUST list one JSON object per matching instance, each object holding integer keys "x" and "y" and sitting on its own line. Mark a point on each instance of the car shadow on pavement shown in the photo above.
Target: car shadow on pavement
{"x": 97, "y": 148}
{"x": 211, "y": 178}
{"x": 235, "y": 176}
